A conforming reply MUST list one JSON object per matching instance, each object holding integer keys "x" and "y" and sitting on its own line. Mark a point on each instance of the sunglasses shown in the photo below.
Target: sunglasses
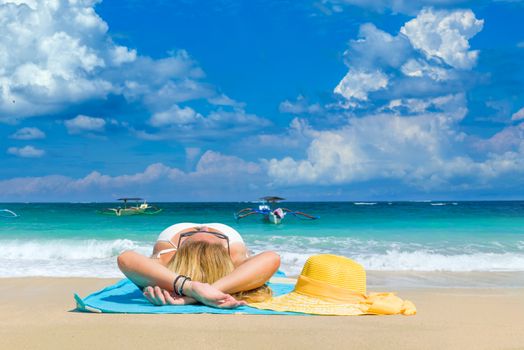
{"x": 216, "y": 234}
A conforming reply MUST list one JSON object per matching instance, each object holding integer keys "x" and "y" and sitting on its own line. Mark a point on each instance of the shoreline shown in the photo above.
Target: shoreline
{"x": 38, "y": 313}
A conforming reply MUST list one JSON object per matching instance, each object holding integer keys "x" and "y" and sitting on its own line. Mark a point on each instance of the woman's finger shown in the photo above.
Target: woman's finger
{"x": 148, "y": 294}
{"x": 159, "y": 296}
{"x": 169, "y": 298}
{"x": 229, "y": 304}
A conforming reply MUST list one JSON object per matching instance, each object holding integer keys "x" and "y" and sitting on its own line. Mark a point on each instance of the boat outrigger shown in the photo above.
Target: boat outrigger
{"x": 137, "y": 209}
{"x": 274, "y": 216}
{"x": 6, "y": 213}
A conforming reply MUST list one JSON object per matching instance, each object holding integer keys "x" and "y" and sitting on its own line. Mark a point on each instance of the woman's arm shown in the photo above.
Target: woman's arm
{"x": 143, "y": 271}
{"x": 251, "y": 274}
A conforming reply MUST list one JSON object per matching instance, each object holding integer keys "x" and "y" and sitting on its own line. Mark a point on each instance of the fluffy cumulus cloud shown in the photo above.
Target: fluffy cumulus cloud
{"x": 375, "y": 146}
{"x": 26, "y": 152}
{"x": 52, "y": 53}
{"x": 357, "y": 84}
{"x": 425, "y": 152}
{"x": 57, "y": 54}
{"x": 28, "y": 133}
{"x": 407, "y": 98}
{"x": 215, "y": 175}
{"x": 445, "y": 35}
{"x": 83, "y": 123}
{"x": 428, "y": 57}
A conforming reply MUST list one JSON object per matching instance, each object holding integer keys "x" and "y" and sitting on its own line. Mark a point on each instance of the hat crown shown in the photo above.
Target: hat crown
{"x": 337, "y": 271}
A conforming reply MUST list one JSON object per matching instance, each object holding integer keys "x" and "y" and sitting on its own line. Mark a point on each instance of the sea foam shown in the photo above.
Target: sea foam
{"x": 97, "y": 258}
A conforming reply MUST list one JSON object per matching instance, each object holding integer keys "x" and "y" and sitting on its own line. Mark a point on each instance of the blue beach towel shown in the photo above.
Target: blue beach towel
{"x": 126, "y": 297}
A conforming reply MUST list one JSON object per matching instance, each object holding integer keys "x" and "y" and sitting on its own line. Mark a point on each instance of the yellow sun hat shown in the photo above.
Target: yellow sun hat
{"x": 335, "y": 285}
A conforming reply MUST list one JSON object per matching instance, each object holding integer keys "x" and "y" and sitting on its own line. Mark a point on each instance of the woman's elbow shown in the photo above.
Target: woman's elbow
{"x": 273, "y": 260}
{"x": 124, "y": 260}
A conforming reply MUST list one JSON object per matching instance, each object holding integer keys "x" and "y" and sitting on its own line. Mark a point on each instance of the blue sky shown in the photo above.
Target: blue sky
{"x": 233, "y": 100}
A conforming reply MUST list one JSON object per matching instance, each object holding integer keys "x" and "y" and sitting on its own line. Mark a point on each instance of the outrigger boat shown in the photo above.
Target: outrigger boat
{"x": 274, "y": 216}
{"x": 137, "y": 209}
{"x": 6, "y": 213}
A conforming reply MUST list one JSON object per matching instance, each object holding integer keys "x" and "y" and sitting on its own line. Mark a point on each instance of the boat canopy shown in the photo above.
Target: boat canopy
{"x": 272, "y": 199}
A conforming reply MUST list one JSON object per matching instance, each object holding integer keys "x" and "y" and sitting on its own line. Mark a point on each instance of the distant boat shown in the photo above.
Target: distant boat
{"x": 6, "y": 213}
{"x": 138, "y": 209}
{"x": 274, "y": 216}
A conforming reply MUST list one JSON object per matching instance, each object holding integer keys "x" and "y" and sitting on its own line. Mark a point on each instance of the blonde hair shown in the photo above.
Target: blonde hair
{"x": 208, "y": 262}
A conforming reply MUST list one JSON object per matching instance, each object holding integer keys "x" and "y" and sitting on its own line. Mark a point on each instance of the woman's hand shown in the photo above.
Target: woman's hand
{"x": 158, "y": 296}
{"x": 201, "y": 292}
{"x": 211, "y": 296}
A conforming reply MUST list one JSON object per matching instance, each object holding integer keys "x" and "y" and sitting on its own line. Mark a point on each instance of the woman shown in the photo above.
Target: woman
{"x": 206, "y": 263}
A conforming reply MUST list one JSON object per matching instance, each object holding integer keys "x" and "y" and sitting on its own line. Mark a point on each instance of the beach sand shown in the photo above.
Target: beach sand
{"x": 37, "y": 313}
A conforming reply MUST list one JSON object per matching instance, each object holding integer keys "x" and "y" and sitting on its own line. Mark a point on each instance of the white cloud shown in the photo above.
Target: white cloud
{"x": 83, "y": 123}
{"x": 420, "y": 69}
{"x": 296, "y": 137}
{"x": 223, "y": 100}
{"x": 216, "y": 176}
{"x": 185, "y": 124}
{"x": 50, "y": 54}
{"x": 402, "y": 6}
{"x": 28, "y": 134}
{"x": 175, "y": 116}
{"x": 453, "y": 105}
{"x": 236, "y": 121}
{"x": 213, "y": 162}
{"x": 414, "y": 137}
{"x": 26, "y": 152}
{"x": 121, "y": 54}
{"x": 152, "y": 173}
{"x": 519, "y": 115}
{"x": 57, "y": 54}
{"x": 444, "y": 35}
{"x": 509, "y": 139}
{"x": 426, "y": 59}
{"x": 300, "y": 106}
{"x": 423, "y": 152}
{"x": 376, "y": 48}
{"x": 367, "y": 148}
{"x": 357, "y": 84}
{"x": 192, "y": 153}
{"x": 409, "y": 132}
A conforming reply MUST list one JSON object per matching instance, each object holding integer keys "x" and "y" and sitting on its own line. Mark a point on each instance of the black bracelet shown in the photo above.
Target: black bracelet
{"x": 181, "y": 290}
{"x": 175, "y": 290}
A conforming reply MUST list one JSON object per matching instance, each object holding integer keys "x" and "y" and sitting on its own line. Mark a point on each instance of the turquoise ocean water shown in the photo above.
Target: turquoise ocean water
{"x": 65, "y": 239}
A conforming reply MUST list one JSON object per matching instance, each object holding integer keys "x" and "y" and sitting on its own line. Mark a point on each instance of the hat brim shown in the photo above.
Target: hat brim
{"x": 296, "y": 302}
